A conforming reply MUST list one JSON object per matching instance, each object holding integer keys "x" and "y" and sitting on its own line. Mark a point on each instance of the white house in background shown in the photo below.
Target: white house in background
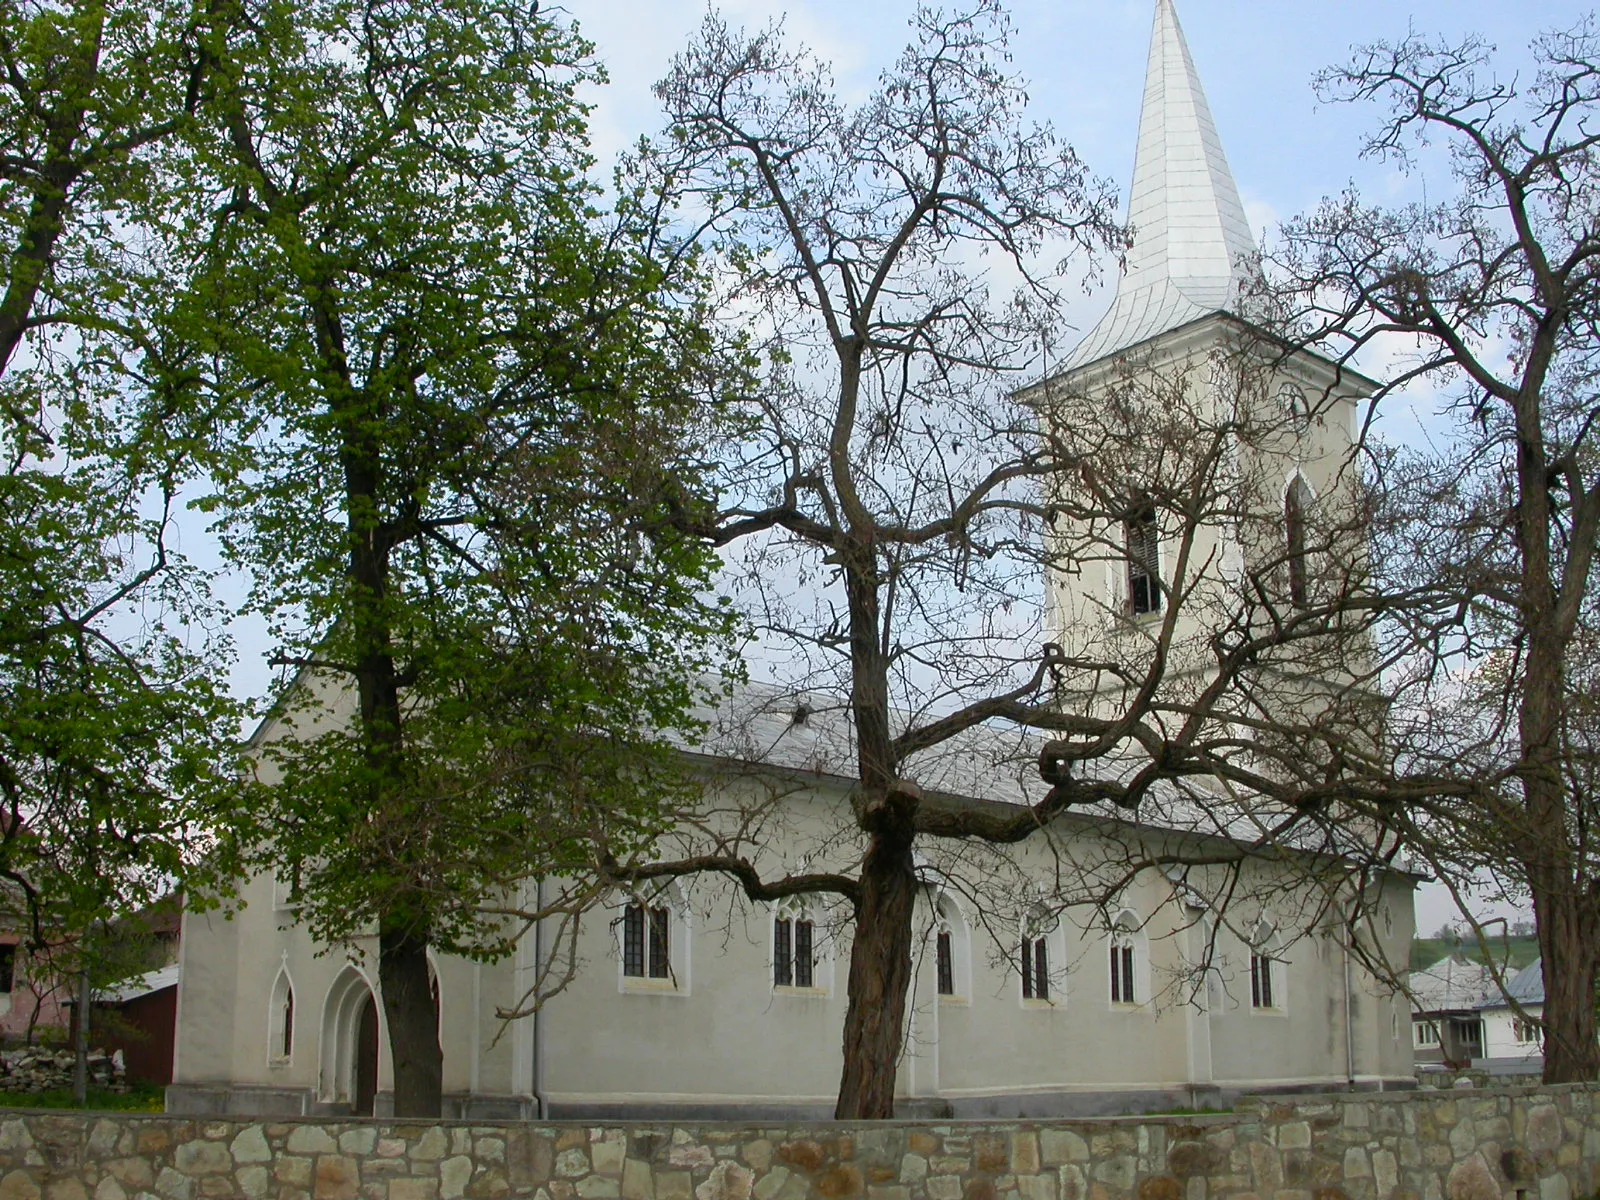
{"x": 689, "y": 1004}
{"x": 1509, "y": 1038}
{"x": 1461, "y": 1018}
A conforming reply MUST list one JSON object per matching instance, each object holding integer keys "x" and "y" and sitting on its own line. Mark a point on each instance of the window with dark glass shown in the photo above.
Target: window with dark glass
{"x": 646, "y": 941}
{"x": 792, "y": 960}
{"x": 1295, "y": 503}
{"x": 287, "y": 1046}
{"x": 945, "y": 967}
{"x": 1261, "y": 981}
{"x": 8, "y": 967}
{"x": 1122, "y": 973}
{"x": 659, "y": 918}
{"x": 1035, "y": 969}
{"x": 1143, "y": 552}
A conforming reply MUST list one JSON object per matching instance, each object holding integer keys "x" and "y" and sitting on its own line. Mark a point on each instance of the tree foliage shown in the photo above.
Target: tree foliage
{"x": 116, "y": 733}
{"x": 461, "y": 405}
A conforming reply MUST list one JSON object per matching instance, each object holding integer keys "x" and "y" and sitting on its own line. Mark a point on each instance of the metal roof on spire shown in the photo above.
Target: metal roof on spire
{"x": 1191, "y": 241}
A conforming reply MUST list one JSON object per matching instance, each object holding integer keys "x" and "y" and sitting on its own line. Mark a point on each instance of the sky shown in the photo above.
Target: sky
{"x": 1084, "y": 61}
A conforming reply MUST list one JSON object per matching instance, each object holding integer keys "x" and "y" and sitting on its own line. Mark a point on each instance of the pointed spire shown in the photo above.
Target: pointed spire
{"x": 1190, "y": 236}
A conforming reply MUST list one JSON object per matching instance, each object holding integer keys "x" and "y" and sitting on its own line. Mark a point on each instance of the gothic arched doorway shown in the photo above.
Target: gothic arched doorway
{"x": 352, "y": 1030}
{"x": 365, "y": 1088}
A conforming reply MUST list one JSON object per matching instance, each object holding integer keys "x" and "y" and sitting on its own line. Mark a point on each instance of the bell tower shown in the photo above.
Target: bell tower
{"x": 1204, "y": 450}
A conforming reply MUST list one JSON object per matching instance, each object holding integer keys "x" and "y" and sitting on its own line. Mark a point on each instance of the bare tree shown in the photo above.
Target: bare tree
{"x": 899, "y": 514}
{"x": 1488, "y": 538}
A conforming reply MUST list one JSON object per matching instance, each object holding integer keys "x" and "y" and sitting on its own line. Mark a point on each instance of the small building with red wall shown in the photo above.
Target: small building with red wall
{"x": 139, "y": 1017}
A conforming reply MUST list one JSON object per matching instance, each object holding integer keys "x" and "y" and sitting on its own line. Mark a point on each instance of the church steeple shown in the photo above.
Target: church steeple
{"x": 1191, "y": 240}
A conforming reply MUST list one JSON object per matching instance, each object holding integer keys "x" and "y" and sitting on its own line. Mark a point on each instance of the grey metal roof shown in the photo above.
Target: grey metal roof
{"x": 1525, "y": 987}
{"x": 140, "y": 985}
{"x": 811, "y": 731}
{"x": 1453, "y": 984}
{"x": 1191, "y": 241}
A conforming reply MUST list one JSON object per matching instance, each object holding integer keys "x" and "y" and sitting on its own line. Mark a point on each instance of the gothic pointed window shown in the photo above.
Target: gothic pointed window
{"x": 950, "y": 966}
{"x": 647, "y": 941}
{"x": 280, "y": 1019}
{"x": 1141, "y": 542}
{"x": 793, "y": 953}
{"x": 1034, "y": 955}
{"x": 1296, "y": 501}
{"x": 1126, "y": 954}
{"x": 1266, "y": 983}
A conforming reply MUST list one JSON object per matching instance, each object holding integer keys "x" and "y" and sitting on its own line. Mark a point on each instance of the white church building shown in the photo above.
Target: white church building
{"x": 690, "y": 1004}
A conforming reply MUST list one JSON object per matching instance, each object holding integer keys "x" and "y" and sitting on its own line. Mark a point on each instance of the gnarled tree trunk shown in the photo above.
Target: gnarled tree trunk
{"x": 880, "y": 969}
{"x": 1569, "y": 948}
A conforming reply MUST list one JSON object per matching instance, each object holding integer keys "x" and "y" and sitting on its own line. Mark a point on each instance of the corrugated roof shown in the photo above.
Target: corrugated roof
{"x": 1525, "y": 987}
{"x": 1455, "y": 983}
{"x": 1191, "y": 240}
{"x": 139, "y": 985}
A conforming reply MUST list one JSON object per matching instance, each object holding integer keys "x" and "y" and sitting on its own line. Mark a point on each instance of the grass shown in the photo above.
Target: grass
{"x": 1516, "y": 952}
{"x": 145, "y": 1097}
{"x": 1204, "y": 1110}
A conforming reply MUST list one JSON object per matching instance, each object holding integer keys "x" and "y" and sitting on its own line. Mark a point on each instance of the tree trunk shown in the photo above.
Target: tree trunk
{"x": 413, "y": 1018}
{"x": 1564, "y": 908}
{"x": 47, "y": 214}
{"x": 1569, "y": 945}
{"x": 880, "y": 951}
{"x": 880, "y": 976}
{"x": 80, "y": 1043}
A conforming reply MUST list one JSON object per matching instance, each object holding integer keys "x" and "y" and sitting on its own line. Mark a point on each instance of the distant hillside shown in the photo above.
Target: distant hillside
{"x": 1516, "y": 951}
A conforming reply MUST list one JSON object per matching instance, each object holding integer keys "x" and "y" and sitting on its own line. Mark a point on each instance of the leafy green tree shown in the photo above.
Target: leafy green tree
{"x": 465, "y": 410}
{"x": 116, "y": 741}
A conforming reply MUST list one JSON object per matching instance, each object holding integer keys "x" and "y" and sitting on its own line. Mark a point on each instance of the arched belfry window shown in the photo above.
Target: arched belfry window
{"x": 1296, "y": 503}
{"x": 1142, "y": 545}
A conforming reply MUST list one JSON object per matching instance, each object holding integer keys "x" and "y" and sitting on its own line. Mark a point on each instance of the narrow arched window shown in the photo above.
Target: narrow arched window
{"x": 793, "y": 954}
{"x": 950, "y": 950}
{"x": 1126, "y": 981}
{"x": 1034, "y": 954}
{"x": 1141, "y": 539}
{"x": 1296, "y": 501}
{"x": 280, "y": 1020}
{"x": 1266, "y": 990}
{"x": 647, "y": 941}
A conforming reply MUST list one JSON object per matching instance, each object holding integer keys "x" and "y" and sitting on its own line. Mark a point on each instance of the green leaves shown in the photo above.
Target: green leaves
{"x": 117, "y": 763}
{"x": 469, "y": 393}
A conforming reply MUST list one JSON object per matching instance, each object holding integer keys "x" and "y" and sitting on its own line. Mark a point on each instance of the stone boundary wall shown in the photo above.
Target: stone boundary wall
{"x": 1513, "y": 1144}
